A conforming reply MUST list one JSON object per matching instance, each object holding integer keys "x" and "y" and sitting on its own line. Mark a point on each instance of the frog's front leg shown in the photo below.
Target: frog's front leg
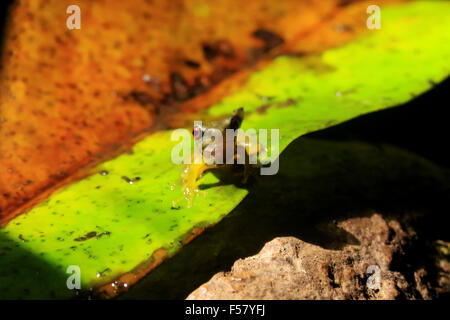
{"x": 251, "y": 151}
{"x": 189, "y": 177}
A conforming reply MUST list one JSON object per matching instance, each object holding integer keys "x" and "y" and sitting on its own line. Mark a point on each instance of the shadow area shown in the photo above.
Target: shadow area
{"x": 27, "y": 275}
{"x": 420, "y": 126}
{"x": 5, "y": 6}
{"x": 320, "y": 182}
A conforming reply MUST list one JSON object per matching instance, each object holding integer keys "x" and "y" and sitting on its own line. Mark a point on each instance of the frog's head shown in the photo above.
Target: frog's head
{"x": 232, "y": 122}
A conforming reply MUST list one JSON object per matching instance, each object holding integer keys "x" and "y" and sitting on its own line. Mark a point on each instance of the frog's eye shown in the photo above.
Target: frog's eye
{"x": 197, "y": 132}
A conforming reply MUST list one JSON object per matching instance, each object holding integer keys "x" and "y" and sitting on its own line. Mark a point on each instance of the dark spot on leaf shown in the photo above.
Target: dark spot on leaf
{"x": 270, "y": 39}
{"x": 218, "y": 48}
{"x": 262, "y": 109}
{"x": 192, "y": 64}
{"x": 344, "y": 3}
{"x": 88, "y": 236}
{"x": 287, "y": 103}
{"x": 127, "y": 179}
{"x": 179, "y": 86}
{"x": 141, "y": 97}
{"x": 209, "y": 52}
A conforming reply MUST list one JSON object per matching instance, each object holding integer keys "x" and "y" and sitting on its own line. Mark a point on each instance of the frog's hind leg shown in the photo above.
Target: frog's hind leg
{"x": 248, "y": 168}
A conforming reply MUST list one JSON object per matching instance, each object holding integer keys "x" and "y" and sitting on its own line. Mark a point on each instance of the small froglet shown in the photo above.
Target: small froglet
{"x": 209, "y": 142}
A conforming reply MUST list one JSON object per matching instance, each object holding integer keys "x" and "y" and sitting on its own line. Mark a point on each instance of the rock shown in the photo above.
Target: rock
{"x": 289, "y": 268}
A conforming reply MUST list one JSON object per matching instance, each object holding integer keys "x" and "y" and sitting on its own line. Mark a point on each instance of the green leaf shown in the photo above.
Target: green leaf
{"x": 111, "y": 228}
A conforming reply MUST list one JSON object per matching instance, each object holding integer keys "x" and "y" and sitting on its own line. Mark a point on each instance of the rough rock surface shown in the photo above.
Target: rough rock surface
{"x": 289, "y": 268}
